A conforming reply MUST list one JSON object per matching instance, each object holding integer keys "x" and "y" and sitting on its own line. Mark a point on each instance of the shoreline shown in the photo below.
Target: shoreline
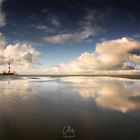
{"x": 131, "y": 76}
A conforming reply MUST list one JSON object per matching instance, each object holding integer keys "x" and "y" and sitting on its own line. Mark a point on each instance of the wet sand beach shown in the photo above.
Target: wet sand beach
{"x": 40, "y": 108}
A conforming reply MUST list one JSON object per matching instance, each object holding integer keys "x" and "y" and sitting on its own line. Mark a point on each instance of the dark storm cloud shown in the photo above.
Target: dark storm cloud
{"x": 2, "y": 15}
{"x": 135, "y": 51}
{"x": 32, "y": 20}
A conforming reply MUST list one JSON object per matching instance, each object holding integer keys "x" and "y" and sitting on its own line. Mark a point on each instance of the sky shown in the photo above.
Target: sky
{"x": 70, "y": 36}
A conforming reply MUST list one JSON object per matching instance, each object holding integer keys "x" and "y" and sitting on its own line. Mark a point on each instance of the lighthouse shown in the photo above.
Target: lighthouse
{"x": 9, "y": 70}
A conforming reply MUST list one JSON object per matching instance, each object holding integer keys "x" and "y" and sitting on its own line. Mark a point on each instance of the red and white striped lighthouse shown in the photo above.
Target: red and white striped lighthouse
{"x": 9, "y": 68}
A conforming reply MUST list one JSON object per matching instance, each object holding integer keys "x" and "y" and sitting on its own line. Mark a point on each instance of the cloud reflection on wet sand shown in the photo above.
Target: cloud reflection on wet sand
{"x": 38, "y": 108}
{"x": 109, "y": 93}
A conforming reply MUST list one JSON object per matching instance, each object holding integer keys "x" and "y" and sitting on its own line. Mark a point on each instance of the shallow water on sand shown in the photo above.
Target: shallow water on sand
{"x": 78, "y": 108}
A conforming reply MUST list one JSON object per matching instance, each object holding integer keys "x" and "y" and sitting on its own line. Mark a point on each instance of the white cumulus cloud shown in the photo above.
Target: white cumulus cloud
{"x": 20, "y": 54}
{"x": 2, "y": 41}
{"x": 119, "y": 54}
